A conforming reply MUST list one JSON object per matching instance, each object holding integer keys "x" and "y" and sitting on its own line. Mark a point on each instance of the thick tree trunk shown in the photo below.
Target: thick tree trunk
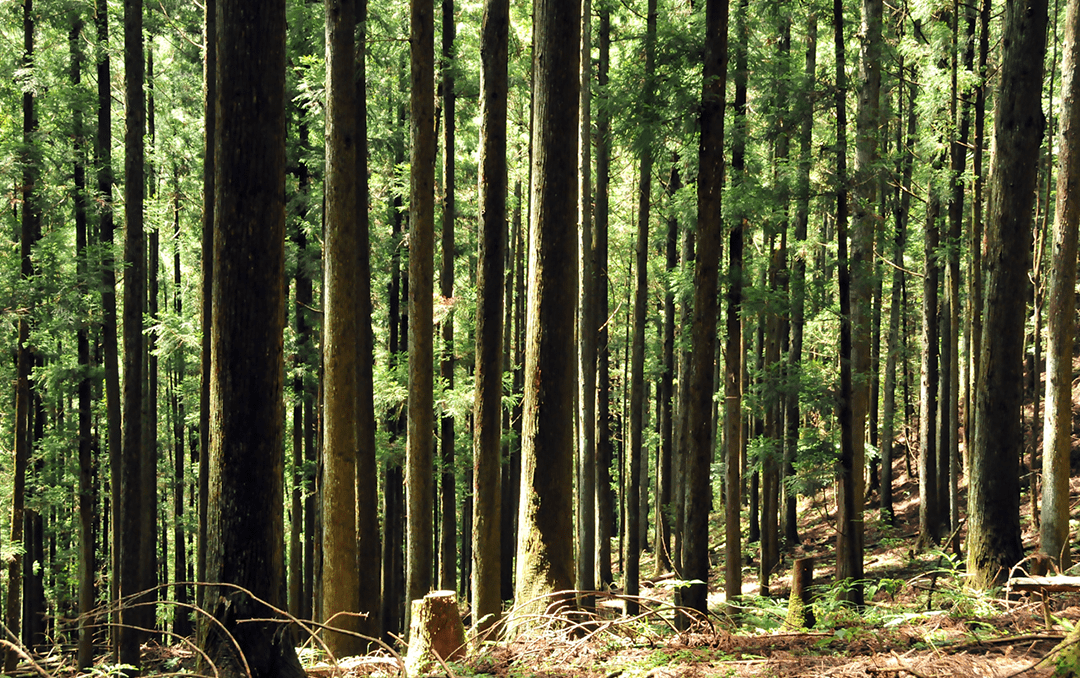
{"x": 545, "y": 548}
{"x": 245, "y": 553}
{"x": 993, "y": 492}
{"x": 710, "y": 234}
{"x": 1057, "y": 430}
{"x": 487, "y": 408}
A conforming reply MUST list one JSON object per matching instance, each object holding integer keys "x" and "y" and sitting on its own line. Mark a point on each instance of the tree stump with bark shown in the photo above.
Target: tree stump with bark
{"x": 800, "y": 615}
{"x": 435, "y": 633}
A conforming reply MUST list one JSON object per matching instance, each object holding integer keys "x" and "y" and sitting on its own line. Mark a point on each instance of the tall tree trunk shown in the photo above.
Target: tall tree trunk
{"x": 849, "y": 507}
{"x": 710, "y": 234}
{"x": 133, "y": 619}
{"x": 87, "y": 565}
{"x": 448, "y": 511}
{"x": 209, "y": 173}
{"x": 734, "y": 349}
{"x": 636, "y": 453}
{"x": 585, "y": 579}
{"x": 962, "y": 121}
{"x": 975, "y": 295}
{"x": 1057, "y": 430}
{"x": 341, "y": 356}
{"x": 511, "y": 470}
{"x": 181, "y": 615}
{"x": 993, "y": 492}
{"x": 798, "y": 272}
{"x": 246, "y": 541}
{"x": 148, "y": 547}
{"x": 929, "y": 510}
{"x": 663, "y": 522}
{"x": 368, "y": 546}
{"x": 419, "y": 490}
{"x": 545, "y": 549}
{"x": 902, "y": 198}
{"x": 604, "y": 505}
{"x": 487, "y": 408}
{"x": 103, "y": 158}
{"x": 865, "y": 219}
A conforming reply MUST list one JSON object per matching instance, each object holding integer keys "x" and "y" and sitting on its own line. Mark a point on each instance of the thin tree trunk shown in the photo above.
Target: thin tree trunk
{"x": 447, "y": 485}
{"x": 604, "y": 507}
{"x": 929, "y": 510}
{"x": 87, "y": 566}
{"x": 419, "y": 490}
{"x": 849, "y": 510}
{"x": 585, "y": 579}
{"x": 133, "y": 619}
{"x": 209, "y": 173}
{"x": 368, "y": 546}
{"x": 664, "y": 465}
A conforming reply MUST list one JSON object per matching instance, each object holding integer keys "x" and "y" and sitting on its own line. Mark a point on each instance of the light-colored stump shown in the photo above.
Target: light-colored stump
{"x": 436, "y": 629}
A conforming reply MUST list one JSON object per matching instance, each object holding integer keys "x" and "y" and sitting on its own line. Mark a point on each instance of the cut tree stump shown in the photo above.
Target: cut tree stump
{"x": 800, "y": 615}
{"x": 436, "y": 632}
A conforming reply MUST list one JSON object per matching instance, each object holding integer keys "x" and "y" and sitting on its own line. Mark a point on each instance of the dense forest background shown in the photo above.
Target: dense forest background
{"x": 791, "y": 260}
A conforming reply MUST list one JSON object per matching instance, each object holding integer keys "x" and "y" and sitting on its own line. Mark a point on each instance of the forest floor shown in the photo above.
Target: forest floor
{"x": 919, "y": 620}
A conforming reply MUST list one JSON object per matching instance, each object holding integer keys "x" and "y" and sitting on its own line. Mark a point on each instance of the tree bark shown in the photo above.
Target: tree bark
{"x": 133, "y": 619}
{"x": 448, "y": 497}
{"x": 545, "y": 549}
{"x": 993, "y": 493}
{"x": 710, "y": 233}
{"x": 487, "y": 407}
{"x": 87, "y": 565}
{"x": 209, "y": 174}
{"x": 585, "y": 579}
{"x": 245, "y": 555}
{"x": 604, "y": 507}
{"x": 849, "y": 507}
{"x": 341, "y": 356}
{"x": 419, "y": 487}
{"x": 368, "y": 546}
{"x": 1057, "y": 428}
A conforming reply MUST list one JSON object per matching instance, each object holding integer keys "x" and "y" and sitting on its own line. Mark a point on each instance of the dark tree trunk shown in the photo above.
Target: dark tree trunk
{"x": 488, "y": 510}
{"x": 447, "y": 485}
{"x": 849, "y": 512}
{"x": 710, "y": 235}
{"x": 420, "y": 491}
{"x": 245, "y": 553}
{"x": 134, "y": 620}
{"x": 993, "y": 492}
{"x": 604, "y": 505}
{"x": 209, "y": 173}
